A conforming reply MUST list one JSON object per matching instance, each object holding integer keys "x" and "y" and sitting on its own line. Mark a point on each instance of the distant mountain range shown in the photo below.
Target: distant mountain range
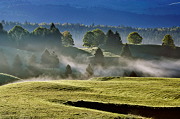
{"x": 135, "y": 13}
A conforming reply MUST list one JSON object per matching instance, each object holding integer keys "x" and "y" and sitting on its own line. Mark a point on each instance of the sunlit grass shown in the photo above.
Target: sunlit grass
{"x": 35, "y": 99}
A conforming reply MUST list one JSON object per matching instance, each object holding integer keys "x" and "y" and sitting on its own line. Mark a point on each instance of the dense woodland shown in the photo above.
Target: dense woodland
{"x": 150, "y": 35}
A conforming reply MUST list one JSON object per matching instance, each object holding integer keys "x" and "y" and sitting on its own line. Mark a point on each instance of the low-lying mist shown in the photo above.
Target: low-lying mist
{"x": 143, "y": 68}
{"x": 146, "y": 68}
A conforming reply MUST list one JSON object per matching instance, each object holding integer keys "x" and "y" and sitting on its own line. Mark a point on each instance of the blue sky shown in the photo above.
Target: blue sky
{"x": 136, "y": 13}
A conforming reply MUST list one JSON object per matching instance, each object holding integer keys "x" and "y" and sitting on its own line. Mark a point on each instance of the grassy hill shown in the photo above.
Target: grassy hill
{"x": 47, "y": 99}
{"x": 6, "y": 78}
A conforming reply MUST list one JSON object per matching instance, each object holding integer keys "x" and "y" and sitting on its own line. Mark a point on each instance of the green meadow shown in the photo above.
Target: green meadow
{"x": 45, "y": 99}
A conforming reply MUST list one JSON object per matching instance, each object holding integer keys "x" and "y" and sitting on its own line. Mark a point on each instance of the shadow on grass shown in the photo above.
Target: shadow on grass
{"x": 144, "y": 111}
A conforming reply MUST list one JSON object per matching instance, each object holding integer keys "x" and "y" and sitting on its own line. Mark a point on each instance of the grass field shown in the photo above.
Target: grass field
{"x": 45, "y": 99}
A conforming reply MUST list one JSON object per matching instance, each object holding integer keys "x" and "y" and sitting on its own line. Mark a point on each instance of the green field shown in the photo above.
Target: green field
{"x": 45, "y": 99}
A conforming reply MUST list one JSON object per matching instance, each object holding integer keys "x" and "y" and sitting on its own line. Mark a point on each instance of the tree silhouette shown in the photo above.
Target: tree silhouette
{"x": 168, "y": 41}
{"x": 134, "y": 38}
{"x": 133, "y": 74}
{"x": 67, "y": 39}
{"x": 4, "y": 66}
{"x": 68, "y": 71}
{"x": 125, "y": 52}
{"x": 89, "y": 71}
{"x": 45, "y": 58}
{"x": 99, "y": 57}
{"x": 52, "y": 26}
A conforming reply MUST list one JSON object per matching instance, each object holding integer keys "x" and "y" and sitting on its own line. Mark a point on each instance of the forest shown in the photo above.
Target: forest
{"x": 46, "y": 51}
{"x": 150, "y": 35}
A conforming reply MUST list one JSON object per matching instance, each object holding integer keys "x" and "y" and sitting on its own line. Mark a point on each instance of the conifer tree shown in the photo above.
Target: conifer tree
{"x": 99, "y": 57}
{"x": 67, "y": 39}
{"x": 126, "y": 51}
{"x": 68, "y": 70}
{"x": 168, "y": 41}
{"x": 54, "y": 60}
{"x": 45, "y": 58}
{"x": 89, "y": 71}
{"x": 32, "y": 60}
{"x": 52, "y": 26}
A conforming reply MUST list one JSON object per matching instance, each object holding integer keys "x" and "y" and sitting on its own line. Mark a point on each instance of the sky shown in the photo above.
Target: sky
{"x": 136, "y": 13}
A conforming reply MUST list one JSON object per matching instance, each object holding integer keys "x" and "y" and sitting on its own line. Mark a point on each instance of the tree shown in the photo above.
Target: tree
{"x": 94, "y": 38}
{"x": 113, "y": 41}
{"x": 67, "y": 39}
{"x": 54, "y": 60}
{"x": 1, "y": 27}
{"x": 168, "y": 41}
{"x": 17, "y": 66}
{"x": 4, "y": 41}
{"x": 19, "y": 35}
{"x": 4, "y": 66}
{"x": 168, "y": 46}
{"x": 32, "y": 60}
{"x": 45, "y": 58}
{"x": 89, "y": 71}
{"x": 125, "y": 52}
{"x": 99, "y": 57}
{"x": 134, "y": 38}
{"x": 88, "y": 39}
{"x": 52, "y": 26}
{"x": 68, "y": 70}
{"x": 133, "y": 74}
{"x": 99, "y": 37}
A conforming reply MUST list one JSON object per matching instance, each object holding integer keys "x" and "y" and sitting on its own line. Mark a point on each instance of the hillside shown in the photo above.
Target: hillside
{"x": 49, "y": 99}
{"x": 6, "y": 78}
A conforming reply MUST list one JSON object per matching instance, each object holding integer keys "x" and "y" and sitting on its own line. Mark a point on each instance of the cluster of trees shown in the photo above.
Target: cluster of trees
{"x": 97, "y": 38}
{"x": 39, "y": 38}
{"x": 150, "y": 35}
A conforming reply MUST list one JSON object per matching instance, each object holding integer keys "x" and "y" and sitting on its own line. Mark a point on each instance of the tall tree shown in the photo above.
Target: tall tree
{"x": 54, "y": 60}
{"x": 99, "y": 57}
{"x": 52, "y": 26}
{"x": 125, "y": 52}
{"x": 45, "y": 58}
{"x": 89, "y": 71}
{"x": 99, "y": 37}
{"x": 32, "y": 60}
{"x": 4, "y": 37}
{"x": 168, "y": 46}
{"x": 168, "y": 41}
{"x": 88, "y": 39}
{"x": 67, "y": 39}
{"x": 19, "y": 35}
{"x": 68, "y": 70}
{"x": 134, "y": 38}
{"x": 1, "y": 27}
{"x": 113, "y": 40}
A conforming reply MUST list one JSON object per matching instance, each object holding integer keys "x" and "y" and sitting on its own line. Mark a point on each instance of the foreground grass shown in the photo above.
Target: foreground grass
{"x": 45, "y": 99}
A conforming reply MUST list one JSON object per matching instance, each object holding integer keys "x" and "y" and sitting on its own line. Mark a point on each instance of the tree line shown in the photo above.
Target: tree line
{"x": 39, "y": 39}
{"x": 150, "y": 35}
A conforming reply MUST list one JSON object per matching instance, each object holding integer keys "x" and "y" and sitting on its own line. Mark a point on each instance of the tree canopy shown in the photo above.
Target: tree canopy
{"x": 134, "y": 38}
{"x": 113, "y": 40}
{"x": 168, "y": 41}
{"x": 67, "y": 39}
